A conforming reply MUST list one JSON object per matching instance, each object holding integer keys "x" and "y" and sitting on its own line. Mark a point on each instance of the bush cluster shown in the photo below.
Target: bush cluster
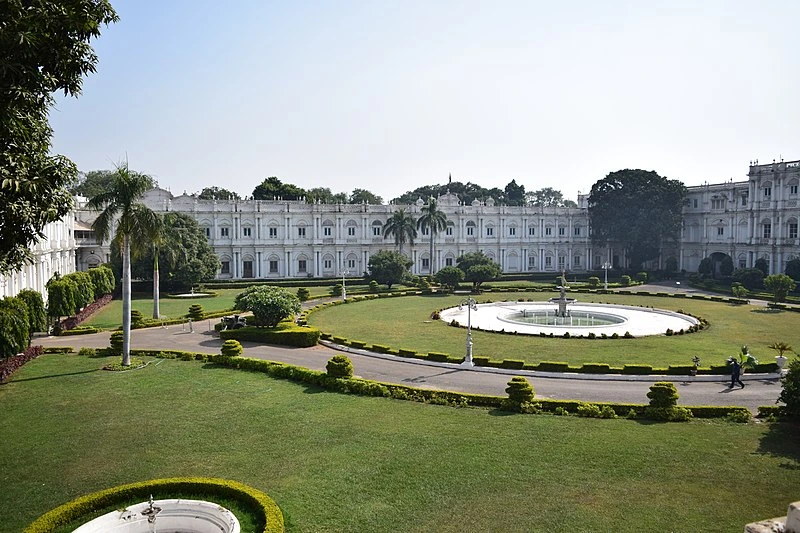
{"x": 339, "y": 366}
{"x": 286, "y": 334}
{"x": 231, "y": 348}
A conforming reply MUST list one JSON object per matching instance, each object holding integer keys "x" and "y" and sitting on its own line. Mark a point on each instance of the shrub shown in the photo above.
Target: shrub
{"x": 196, "y": 312}
{"x": 625, "y": 280}
{"x": 608, "y": 412}
{"x": 560, "y": 411}
{"x": 738, "y": 417}
{"x": 551, "y": 366}
{"x": 520, "y": 392}
{"x": 286, "y": 334}
{"x": 589, "y": 410}
{"x": 438, "y": 357}
{"x": 270, "y": 305}
{"x": 87, "y": 352}
{"x": 137, "y": 320}
{"x": 303, "y": 294}
{"x": 668, "y": 414}
{"x": 373, "y": 286}
{"x": 339, "y": 366}
{"x": 641, "y": 277}
{"x": 514, "y": 364}
{"x": 594, "y": 282}
{"x": 790, "y": 389}
{"x": 231, "y": 348}
{"x": 638, "y": 370}
{"x": 663, "y": 394}
{"x": 595, "y": 368}
{"x": 357, "y": 344}
{"x": 116, "y": 343}
{"x": 14, "y": 326}
{"x": 335, "y": 290}
{"x": 406, "y": 353}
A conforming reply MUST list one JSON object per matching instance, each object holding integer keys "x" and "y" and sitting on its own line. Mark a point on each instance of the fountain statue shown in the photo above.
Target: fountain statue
{"x": 562, "y": 300}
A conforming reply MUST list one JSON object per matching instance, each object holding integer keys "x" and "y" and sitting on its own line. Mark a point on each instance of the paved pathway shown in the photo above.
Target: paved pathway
{"x": 438, "y": 375}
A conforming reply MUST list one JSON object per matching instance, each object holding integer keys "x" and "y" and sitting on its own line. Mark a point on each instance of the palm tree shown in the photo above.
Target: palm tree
{"x": 134, "y": 222}
{"x": 434, "y": 220}
{"x": 402, "y": 226}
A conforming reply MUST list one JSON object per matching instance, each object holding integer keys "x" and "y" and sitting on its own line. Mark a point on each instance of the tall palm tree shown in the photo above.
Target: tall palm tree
{"x": 402, "y": 226}
{"x": 434, "y": 220}
{"x": 134, "y": 221}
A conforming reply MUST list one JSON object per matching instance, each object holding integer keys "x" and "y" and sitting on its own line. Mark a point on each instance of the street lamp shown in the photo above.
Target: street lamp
{"x": 606, "y": 266}
{"x": 471, "y": 306}
{"x": 344, "y": 290}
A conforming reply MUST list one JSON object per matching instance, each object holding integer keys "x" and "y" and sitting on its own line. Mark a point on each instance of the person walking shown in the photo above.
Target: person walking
{"x": 736, "y": 372}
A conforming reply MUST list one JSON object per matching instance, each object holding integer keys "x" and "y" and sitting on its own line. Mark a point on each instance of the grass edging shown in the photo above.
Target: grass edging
{"x": 266, "y": 510}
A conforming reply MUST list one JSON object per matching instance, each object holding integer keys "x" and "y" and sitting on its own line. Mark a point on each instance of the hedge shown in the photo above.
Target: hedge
{"x": 266, "y": 511}
{"x": 550, "y": 366}
{"x": 80, "y": 330}
{"x": 595, "y": 368}
{"x": 514, "y": 364}
{"x": 637, "y": 370}
{"x": 287, "y": 335}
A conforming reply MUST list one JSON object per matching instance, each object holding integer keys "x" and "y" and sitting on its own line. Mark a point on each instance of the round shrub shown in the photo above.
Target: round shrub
{"x": 519, "y": 390}
{"x": 231, "y": 348}
{"x": 339, "y": 366}
{"x": 196, "y": 312}
{"x": 303, "y": 294}
{"x": 116, "y": 343}
{"x": 137, "y": 320}
{"x": 663, "y": 394}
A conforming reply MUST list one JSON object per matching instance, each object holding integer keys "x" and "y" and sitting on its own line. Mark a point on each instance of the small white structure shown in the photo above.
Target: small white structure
{"x": 174, "y": 515}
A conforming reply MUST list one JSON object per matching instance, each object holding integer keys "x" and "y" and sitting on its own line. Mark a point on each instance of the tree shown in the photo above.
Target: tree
{"x": 14, "y": 326}
{"x": 388, "y": 267}
{"x": 790, "y": 390}
{"x": 780, "y": 285}
{"x": 477, "y": 268}
{"x": 37, "y": 315}
{"x": 94, "y": 182}
{"x": 450, "y": 277}
{"x": 726, "y": 266}
{"x": 60, "y": 298}
{"x": 84, "y": 293}
{"x": 272, "y": 188}
{"x": 547, "y": 197}
{"x": 793, "y": 269}
{"x": 637, "y": 210}
{"x": 103, "y": 280}
{"x": 706, "y": 267}
{"x": 434, "y": 220}
{"x": 514, "y": 194}
{"x": 363, "y": 196}
{"x": 763, "y": 265}
{"x": 270, "y": 305}
{"x": 323, "y": 195}
{"x": 402, "y": 226}
{"x": 752, "y": 278}
{"x": 45, "y": 48}
{"x": 211, "y": 193}
{"x": 134, "y": 221}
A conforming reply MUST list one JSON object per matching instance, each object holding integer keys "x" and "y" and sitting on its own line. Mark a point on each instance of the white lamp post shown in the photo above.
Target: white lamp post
{"x": 606, "y": 266}
{"x": 471, "y": 306}
{"x": 344, "y": 290}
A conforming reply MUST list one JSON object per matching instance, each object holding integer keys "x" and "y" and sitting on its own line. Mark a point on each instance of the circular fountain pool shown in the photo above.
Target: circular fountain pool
{"x": 173, "y": 516}
{"x": 535, "y": 318}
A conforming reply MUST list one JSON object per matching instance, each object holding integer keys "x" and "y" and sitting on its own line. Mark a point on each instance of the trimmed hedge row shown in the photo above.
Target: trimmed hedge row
{"x": 264, "y": 508}
{"x": 80, "y": 330}
{"x": 284, "y": 334}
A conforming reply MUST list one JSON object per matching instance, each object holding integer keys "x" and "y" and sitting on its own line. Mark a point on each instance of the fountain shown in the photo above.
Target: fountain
{"x": 173, "y": 516}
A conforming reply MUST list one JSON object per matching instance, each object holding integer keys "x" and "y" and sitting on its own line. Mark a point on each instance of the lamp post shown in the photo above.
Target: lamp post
{"x": 605, "y": 267}
{"x": 344, "y": 290}
{"x": 471, "y": 306}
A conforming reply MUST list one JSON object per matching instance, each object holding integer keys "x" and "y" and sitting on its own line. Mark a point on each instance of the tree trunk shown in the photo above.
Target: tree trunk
{"x": 430, "y": 268}
{"x": 126, "y": 300}
{"x": 156, "y": 294}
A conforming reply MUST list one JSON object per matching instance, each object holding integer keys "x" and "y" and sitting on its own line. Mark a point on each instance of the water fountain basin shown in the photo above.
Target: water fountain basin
{"x": 174, "y": 516}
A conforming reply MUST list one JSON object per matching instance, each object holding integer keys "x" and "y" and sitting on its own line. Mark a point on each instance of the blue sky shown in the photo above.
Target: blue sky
{"x": 392, "y": 95}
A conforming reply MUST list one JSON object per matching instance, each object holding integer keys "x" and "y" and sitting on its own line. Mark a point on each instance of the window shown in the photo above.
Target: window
{"x": 792, "y": 189}
{"x": 694, "y": 203}
{"x": 376, "y": 229}
{"x": 767, "y": 192}
{"x": 489, "y": 231}
{"x": 561, "y": 262}
{"x": 273, "y": 233}
{"x": 512, "y": 231}
{"x": 449, "y": 230}
{"x": 208, "y": 232}
{"x": 576, "y": 231}
{"x": 720, "y": 231}
{"x": 767, "y": 230}
{"x": 531, "y": 262}
{"x": 301, "y": 265}
{"x": 548, "y": 231}
{"x": 226, "y": 267}
{"x": 718, "y": 203}
{"x": 273, "y": 266}
{"x": 426, "y": 263}
{"x": 351, "y": 231}
{"x": 327, "y": 264}
{"x": 470, "y": 229}
{"x": 224, "y": 232}
{"x": 742, "y": 263}
{"x": 531, "y": 231}
{"x": 351, "y": 264}
{"x": 792, "y": 230}
{"x": 548, "y": 262}
{"x": 247, "y": 232}
{"x": 326, "y": 231}
{"x": 576, "y": 261}
{"x": 561, "y": 231}
{"x": 744, "y": 202}
{"x": 301, "y": 232}
{"x": 448, "y": 261}
{"x": 426, "y": 231}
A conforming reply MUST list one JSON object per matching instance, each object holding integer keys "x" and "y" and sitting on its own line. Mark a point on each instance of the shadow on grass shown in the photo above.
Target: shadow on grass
{"x": 53, "y": 376}
{"x": 782, "y": 440}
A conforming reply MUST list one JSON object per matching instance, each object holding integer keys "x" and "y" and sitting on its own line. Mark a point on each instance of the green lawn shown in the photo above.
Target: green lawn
{"x": 345, "y": 463}
{"x": 405, "y": 323}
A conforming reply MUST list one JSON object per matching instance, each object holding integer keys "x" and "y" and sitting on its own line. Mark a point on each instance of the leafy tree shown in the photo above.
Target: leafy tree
{"x": 752, "y": 278}
{"x": 793, "y": 269}
{"x": 780, "y": 285}
{"x": 726, "y": 266}
{"x": 467, "y": 192}
{"x": 135, "y": 221}
{"x": 95, "y": 182}
{"x": 210, "y": 193}
{"x": 739, "y": 291}
{"x": 60, "y": 298}
{"x": 705, "y": 267}
{"x": 14, "y": 326}
{"x": 388, "y": 267}
{"x": 477, "y": 268}
{"x": 637, "y": 210}
{"x": 363, "y": 196}
{"x": 548, "y": 197}
{"x": 402, "y": 226}
{"x": 763, "y": 265}
{"x": 514, "y": 194}
{"x": 45, "y": 48}
{"x": 37, "y": 315}
{"x": 450, "y": 277}
{"x": 103, "y": 280}
{"x": 434, "y": 220}
{"x": 84, "y": 294}
{"x": 790, "y": 389}
{"x": 324, "y": 195}
{"x": 269, "y": 304}
{"x": 272, "y": 188}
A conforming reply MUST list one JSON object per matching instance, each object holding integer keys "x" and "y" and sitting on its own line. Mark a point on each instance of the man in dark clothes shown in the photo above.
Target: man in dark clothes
{"x": 736, "y": 370}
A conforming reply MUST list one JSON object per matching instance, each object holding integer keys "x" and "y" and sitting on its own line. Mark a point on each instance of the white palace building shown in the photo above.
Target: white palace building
{"x": 746, "y": 220}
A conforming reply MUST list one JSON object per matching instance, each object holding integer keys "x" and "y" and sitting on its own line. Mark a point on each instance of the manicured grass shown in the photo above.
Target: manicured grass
{"x": 344, "y": 463}
{"x": 405, "y": 323}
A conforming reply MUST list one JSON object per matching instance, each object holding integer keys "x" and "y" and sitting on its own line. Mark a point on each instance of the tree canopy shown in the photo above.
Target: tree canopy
{"x": 272, "y": 188}
{"x": 45, "y": 48}
{"x": 324, "y": 195}
{"x": 780, "y": 285}
{"x": 95, "y": 182}
{"x": 402, "y": 226}
{"x": 478, "y": 267}
{"x": 211, "y": 193}
{"x": 363, "y": 196}
{"x": 637, "y": 210}
{"x": 793, "y": 269}
{"x": 548, "y": 197}
{"x": 270, "y": 305}
{"x": 388, "y": 267}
